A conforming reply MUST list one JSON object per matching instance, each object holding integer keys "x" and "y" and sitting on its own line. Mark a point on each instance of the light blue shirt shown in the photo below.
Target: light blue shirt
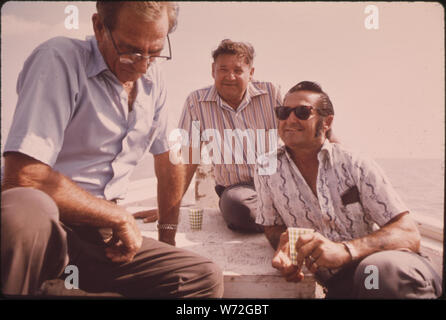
{"x": 72, "y": 114}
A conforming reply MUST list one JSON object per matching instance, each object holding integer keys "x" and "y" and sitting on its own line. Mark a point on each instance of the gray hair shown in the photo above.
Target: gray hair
{"x": 148, "y": 10}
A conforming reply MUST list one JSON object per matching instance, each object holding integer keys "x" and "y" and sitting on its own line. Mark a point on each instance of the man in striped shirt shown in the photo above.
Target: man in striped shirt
{"x": 236, "y": 116}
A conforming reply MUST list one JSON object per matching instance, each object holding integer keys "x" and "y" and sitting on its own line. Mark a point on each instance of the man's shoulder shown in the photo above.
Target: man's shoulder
{"x": 265, "y": 86}
{"x": 65, "y": 45}
{"x": 269, "y": 160}
{"x": 201, "y": 94}
{"x": 353, "y": 158}
{"x": 63, "y": 49}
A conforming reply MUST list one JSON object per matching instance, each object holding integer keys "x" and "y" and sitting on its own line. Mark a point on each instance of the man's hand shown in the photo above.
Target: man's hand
{"x": 126, "y": 241}
{"x": 317, "y": 251}
{"x": 147, "y": 215}
{"x": 282, "y": 261}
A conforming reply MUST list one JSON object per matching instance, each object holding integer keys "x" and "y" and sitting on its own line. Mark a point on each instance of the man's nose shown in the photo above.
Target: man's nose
{"x": 230, "y": 76}
{"x": 141, "y": 66}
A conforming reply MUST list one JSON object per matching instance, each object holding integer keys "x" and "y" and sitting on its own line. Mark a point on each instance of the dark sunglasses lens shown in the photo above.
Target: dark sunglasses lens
{"x": 283, "y": 112}
{"x": 303, "y": 113}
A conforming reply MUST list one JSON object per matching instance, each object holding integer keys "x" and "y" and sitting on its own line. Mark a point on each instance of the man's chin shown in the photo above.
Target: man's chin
{"x": 129, "y": 76}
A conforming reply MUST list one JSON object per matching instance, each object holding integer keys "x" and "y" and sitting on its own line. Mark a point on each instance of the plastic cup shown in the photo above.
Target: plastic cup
{"x": 293, "y": 235}
{"x": 196, "y": 218}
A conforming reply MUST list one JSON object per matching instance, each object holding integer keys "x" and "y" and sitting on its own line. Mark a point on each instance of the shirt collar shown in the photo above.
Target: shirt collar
{"x": 326, "y": 152}
{"x": 251, "y": 91}
{"x": 97, "y": 64}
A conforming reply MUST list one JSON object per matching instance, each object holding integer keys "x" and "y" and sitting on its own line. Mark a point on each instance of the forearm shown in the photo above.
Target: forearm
{"x": 76, "y": 205}
{"x": 273, "y": 233}
{"x": 399, "y": 233}
{"x": 170, "y": 192}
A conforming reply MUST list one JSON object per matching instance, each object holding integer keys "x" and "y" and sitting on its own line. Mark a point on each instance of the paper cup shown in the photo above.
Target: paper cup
{"x": 196, "y": 218}
{"x": 293, "y": 235}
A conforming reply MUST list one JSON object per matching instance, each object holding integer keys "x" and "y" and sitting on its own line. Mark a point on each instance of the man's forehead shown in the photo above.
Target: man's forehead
{"x": 127, "y": 21}
{"x": 231, "y": 59}
{"x": 300, "y": 97}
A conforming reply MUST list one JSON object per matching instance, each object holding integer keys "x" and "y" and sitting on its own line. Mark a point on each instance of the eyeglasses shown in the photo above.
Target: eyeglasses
{"x": 301, "y": 112}
{"x": 130, "y": 58}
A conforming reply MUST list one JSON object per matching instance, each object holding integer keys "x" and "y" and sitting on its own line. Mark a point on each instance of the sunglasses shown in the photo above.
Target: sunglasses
{"x": 301, "y": 112}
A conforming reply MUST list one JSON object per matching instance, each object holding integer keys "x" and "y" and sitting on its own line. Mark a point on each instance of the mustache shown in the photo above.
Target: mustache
{"x": 292, "y": 127}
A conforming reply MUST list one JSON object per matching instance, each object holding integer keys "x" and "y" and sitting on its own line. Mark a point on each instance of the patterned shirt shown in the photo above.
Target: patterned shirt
{"x": 72, "y": 114}
{"x": 286, "y": 199}
{"x": 254, "y": 118}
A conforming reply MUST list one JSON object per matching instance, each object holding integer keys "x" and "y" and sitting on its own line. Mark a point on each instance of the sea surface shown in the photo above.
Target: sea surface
{"x": 419, "y": 182}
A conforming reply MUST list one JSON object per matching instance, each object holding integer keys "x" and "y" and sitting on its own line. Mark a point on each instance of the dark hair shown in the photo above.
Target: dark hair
{"x": 149, "y": 10}
{"x": 240, "y": 49}
{"x": 324, "y": 107}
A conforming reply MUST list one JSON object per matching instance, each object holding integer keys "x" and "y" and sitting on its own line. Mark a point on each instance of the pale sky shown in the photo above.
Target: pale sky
{"x": 386, "y": 85}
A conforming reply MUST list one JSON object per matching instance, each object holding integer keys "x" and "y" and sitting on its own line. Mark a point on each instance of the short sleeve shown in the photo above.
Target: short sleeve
{"x": 277, "y": 96}
{"x": 187, "y": 118}
{"x": 47, "y": 91}
{"x": 267, "y": 214}
{"x": 160, "y": 143}
{"x": 378, "y": 197}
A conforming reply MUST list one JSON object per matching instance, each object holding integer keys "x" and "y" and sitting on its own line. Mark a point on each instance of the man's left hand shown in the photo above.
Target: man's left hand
{"x": 147, "y": 215}
{"x": 317, "y": 251}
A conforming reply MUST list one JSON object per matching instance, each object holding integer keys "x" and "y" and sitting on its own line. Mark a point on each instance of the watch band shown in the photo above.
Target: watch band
{"x": 167, "y": 226}
{"x": 351, "y": 249}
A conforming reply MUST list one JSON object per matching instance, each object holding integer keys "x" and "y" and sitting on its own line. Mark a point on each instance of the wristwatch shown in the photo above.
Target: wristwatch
{"x": 167, "y": 226}
{"x": 351, "y": 249}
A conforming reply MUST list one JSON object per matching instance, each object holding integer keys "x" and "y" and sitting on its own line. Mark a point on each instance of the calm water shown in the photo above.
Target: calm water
{"x": 419, "y": 182}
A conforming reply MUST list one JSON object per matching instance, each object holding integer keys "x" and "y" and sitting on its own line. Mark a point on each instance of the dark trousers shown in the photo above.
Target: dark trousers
{"x": 238, "y": 205}
{"x": 36, "y": 247}
{"x": 392, "y": 274}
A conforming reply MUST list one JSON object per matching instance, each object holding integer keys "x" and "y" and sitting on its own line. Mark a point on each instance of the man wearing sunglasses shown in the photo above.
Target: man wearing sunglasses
{"x": 361, "y": 225}
{"x": 87, "y": 111}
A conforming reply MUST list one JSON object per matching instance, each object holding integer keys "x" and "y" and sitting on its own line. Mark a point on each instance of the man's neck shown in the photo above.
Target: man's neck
{"x": 305, "y": 155}
{"x": 234, "y": 103}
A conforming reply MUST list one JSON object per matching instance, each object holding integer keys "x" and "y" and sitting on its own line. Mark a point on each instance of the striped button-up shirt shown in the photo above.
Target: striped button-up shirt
{"x": 235, "y": 137}
{"x": 353, "y": 195}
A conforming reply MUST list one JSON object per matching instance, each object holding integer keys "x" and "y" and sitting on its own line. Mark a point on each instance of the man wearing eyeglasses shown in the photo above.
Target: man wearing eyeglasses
{"x": 343, "y": 197}
{"x": 87, "y": 111}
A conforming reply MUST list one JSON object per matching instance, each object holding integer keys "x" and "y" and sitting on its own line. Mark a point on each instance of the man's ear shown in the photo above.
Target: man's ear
{"x": 98, "y": 27}
{"x": 213, "y": 70}
{"x": 328, "y": 121}
{"x": 251, "y": 73}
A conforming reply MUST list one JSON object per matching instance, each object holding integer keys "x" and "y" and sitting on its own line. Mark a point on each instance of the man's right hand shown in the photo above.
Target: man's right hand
{"x": 126, "y": 241}
{"x": 282, "y": 261}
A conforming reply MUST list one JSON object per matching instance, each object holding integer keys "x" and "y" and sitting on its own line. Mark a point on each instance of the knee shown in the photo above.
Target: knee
{"x": 212, "y": 285}
{"x": 231, "y": 197}
{"x": 26, "y": 209}
{"x": 240, "y": 198}
{"x": 388, "y": 275}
